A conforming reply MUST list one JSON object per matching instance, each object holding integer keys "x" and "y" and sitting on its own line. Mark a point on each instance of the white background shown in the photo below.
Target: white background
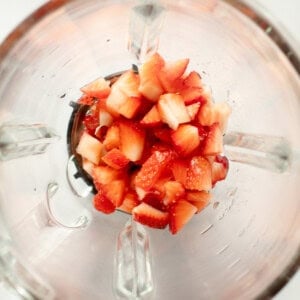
{"x": 286, "y": 12}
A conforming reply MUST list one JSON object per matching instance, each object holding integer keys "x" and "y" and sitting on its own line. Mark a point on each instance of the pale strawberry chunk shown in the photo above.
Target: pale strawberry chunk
{"x": 103, "y": 204}
{"x": 219, "y": 168}
{"x": 186, "y": 139}
{"x": 150, "y": 216}
{"x": 88, "y": 166}
{"x": 193, "y": 80}
{"x": 152, "y": 169}
{"x": 172, "y": 110}
{"x": 193, "y": 110}
{"x": 213, "y": 143}
{"x": 115, "y": 159}
{"x": 152, "y": 117}
{"x": 173, "y": 191}
{"x": 129, "y": 203}
{"x": 130, "y": 108}
{"x": 104, "y": 175}
{"x": 198, "y": 174}
{"x": 112, "y": 138}
{"x": 192, "y": 95}
{"x": 99, "y": 88}
{"x": 198, "y": 199}
{"x": 132, "y": 140}
{"x": 211, "y": 113}
{"x": 114, "y": 191}
{"x": 90, "y": 148}
{"x": 105, "y": 118}
{"x": 150, "y": 85}
{"x": 180, "y": 214}
{"x": 170, "y": 75}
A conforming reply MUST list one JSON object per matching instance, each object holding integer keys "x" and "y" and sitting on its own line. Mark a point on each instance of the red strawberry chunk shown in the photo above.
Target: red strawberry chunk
{"x": 198, "y": 199}
{"x": 154, "y": 199}
{"x": 115, "y": 159}
{"x": 150, "y": 216}
{"x": 152, "y": 118}
{"x": 91, "y": 122}
{"x": 180, "y": 214}
{"x": 129, "y": 203}
{"x": 198, "y": 174}
{"x": 179, "y": 169}
{"x": 172, "y": 110}
{"x": 173, "y": 191}
{"x": 213, "y": 143}
{"x": 192, "y": 95}
{"x": 114, "y": 191}
{"x": 193, "y": 80}
{"x": 152, "y": 169}
{"x": 163, "y": 134}
{"x": 86, "y": 100}
{"x": 186, "y": 139}
{"x": 219, "y": 168}
{"x": 112, "y": 138}
{"x": 132, "y": 140}
{"x": 99, "y": 88}
{"x": 102, "y": 203}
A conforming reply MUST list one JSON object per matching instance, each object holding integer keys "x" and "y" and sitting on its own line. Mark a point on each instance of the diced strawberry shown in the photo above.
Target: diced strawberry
{"x": 115, "y": 159}
{"x": 171, "y": 73}
{"x": 213, "y": 143}
{"x": 163, "y": 134}
{"x": 198, "y": 174}
{"x": 105, "y": 118}
{"x": 86, "y": 100}
{"x": 179, "y": 169}
{"x": 132, "y": 140}
{"x": 181, "y": 213}
{"x": 88, "y": 166}
{"x": 104, "y": 175}
{"x": 219, "y": 168}
{"x": 100, "y": 133}
{"x": 193, "y": 80}
{"x": 152, "y": 169}
{"x": 150, "y": 85}
{"x": 154, "y": 199}
{"x": 150, "y": 216}
{"x": 99, "y": 88}
{"x": 186, "y": 139}
{"x": 173, "y": 192}
{"x": 91, "y": 122}
{"x": 114, "y": 191}
{"x": 211, "y": 113}
{"x": 112, "y": 138}
{"x": 172, "y": 110}
{"x": 152, "y": 118}
{"x": 192, "y": 95}
{"x": 193, "y": 110}
{"x": 124, "y": 97}
{"x": 129, "y": 203}
{"x": 199, "y": 199}
{"x": 102, "y": 203}
{"x": 90, "y": 148}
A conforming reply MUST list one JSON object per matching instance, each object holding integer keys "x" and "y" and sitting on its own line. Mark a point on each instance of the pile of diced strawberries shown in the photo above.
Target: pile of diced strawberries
{"x": 153, "y": 142}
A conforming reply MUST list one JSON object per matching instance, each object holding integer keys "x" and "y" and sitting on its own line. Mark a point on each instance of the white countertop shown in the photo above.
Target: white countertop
{"x": 286, "y": 12}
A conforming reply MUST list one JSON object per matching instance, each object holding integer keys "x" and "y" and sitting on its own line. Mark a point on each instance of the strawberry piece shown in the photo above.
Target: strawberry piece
{"x": 193, "y": 110}
{"x": 192, "y": 95}
{"x": 132, "y": 140}
{"x": 102, "y": 203}
{"x": 99, "y": 88}
{"x": 88, "y": 166}
{"x": 115, "y": 159}
{"x": 91, "y": 122}
{"x": 152, "y": 169}
{"x": 172, "y": 110}
{"x": 173, "y": 192}
{"x": 150, "y": 85}
{"x": 219, "y": 168}
{"x": 104, "y": 175}
{"x": 171, "y": 73}
{"x": 150, "y": 216}
{"x": 180, "y": 214}
{"x": 163, "y": 134}
{"x": 152, "y": 117}
{"x": 211, "y": 113}
{"x": 198, "y": 174}
{"x": 186, "y": 139}
{"x": 114, "y": 191}
{"x": 198, "y": 199}
{"x": 124, "y": 97}
{"x": 193, "y": 80}
{"x": 179, "y": 169}
{"x": 213, "y": 143}
{"x": 129, "y": 203}
{"x": 154, "y": 199}
{"x": 112, "y": 138}
{"x": 90, "y": 148}
{"x": 86, "y": 100}
{"x": 105, "y": 118}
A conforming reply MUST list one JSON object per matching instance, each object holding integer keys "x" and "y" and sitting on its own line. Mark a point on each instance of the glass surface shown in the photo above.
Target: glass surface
{"x": 243, "y": 241}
